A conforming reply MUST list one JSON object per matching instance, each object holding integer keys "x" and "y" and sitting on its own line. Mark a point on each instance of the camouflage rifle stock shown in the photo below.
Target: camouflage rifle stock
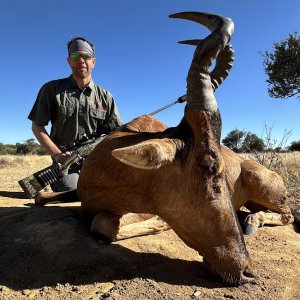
{"x": 34, "y": 183}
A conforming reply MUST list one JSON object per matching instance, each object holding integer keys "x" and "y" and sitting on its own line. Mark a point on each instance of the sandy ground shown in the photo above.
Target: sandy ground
{"x": 48, "y": 253}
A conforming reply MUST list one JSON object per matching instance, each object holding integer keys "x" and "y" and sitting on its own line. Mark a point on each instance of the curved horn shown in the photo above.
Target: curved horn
{"x": 194, "y": 42}
{"x": 215, "y": 23}
{"x": 224, "y": 63}
{"x": 200, "y": 92}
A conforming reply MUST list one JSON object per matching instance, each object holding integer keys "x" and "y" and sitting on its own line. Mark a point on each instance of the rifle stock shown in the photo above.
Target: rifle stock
{"x": 34, "y": 183}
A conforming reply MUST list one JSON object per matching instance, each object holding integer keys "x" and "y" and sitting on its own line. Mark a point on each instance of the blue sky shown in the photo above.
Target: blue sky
{"x": 139, "y": 59}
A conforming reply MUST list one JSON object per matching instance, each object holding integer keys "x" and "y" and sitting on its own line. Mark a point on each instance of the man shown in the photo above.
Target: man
{"x": 76, "y": 106}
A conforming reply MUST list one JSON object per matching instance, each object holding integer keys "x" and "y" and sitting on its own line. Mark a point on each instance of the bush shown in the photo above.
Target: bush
{"x": 28, "y": 147}
{"x": 295, "y": 146}
{"x": 7, "y": 149}
{"x": 242, "y": 141}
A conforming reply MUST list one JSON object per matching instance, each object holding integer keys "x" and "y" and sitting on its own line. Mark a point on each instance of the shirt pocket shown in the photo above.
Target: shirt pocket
{"x": 67, "y": 111}
{"x": 98, "y": 115}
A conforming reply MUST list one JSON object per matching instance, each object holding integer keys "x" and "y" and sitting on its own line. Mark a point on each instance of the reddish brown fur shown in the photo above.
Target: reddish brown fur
{"x": 195, "y": 194}
{"x": 191, "y": 194}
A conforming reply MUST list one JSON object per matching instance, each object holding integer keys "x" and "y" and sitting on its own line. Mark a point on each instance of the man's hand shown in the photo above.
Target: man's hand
{"x": 61, "y": 157}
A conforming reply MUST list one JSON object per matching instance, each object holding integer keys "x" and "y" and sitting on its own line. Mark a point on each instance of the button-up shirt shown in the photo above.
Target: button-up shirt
{"x": 73, "y": 112}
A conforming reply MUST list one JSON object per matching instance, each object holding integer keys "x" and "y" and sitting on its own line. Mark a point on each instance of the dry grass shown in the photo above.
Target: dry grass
{"x": 289, "y": 170}
{"x": 288, "y": 167}
{"x": 13, "y": 168}
{"x": 24, "y": 161}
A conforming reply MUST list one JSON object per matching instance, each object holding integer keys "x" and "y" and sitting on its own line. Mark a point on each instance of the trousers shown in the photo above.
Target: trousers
{"x": 67, "y": 182}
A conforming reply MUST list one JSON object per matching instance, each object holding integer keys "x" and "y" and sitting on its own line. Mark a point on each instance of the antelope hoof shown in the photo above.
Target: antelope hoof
{"x": 101, "y": 237}
{"x": 249, "y": 229}
{"x": 39, "y": 201}
{"x": 105, "y": 227}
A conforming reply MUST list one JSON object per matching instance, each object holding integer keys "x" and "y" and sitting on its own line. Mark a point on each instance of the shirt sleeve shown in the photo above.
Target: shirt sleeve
{"x": 112, "y": 115}
{"x": 41, "y": 110}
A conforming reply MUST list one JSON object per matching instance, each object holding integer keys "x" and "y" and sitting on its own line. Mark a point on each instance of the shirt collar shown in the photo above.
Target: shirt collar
{"x": 72, "y": 83}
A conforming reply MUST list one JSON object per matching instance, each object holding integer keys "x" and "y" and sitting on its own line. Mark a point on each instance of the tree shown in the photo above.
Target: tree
{"x": 7, "y": 149}
{"x": 243, "y": 141}
{"x": 234, "y": 140}
{"x": 295, "y": 146}
{"x": 29, "y": 147}
{"x": 252, "y": 143}
{"x": 282, "y": 67}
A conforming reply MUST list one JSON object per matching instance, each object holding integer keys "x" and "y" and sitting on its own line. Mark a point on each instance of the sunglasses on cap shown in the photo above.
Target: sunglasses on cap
{"x": 76, "y": 56}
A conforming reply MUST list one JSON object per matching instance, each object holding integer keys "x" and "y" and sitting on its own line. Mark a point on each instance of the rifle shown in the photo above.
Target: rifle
{"x": 34, "y": 183}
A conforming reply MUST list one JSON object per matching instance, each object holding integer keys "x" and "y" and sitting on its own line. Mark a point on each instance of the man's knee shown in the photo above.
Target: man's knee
{"x": 66, "y": 183}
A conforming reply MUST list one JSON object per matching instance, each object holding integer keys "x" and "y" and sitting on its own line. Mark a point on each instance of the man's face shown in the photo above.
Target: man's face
{"x": 81, "y": 67}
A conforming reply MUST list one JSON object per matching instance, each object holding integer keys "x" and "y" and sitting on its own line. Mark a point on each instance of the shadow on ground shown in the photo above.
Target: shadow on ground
{"x": 43, "y": 246}
{"x": 9, "y": 194}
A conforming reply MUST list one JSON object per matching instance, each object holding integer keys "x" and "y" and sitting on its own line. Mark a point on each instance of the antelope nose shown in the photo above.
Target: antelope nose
{"x": 248, "y": 275}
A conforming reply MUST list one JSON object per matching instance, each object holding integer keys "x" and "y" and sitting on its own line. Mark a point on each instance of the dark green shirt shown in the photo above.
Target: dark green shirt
{"x": 73, "y": 112}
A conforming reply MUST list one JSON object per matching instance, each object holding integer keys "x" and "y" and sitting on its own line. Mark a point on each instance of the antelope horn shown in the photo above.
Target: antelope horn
{"x": 224, "y": 63}
{"x": 215, "y": 23}
{"x": 200, "y": 92}
{"x": 194, "y": 42}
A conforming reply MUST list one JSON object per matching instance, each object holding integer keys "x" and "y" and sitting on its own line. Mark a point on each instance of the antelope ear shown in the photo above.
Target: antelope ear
{"x": 151, "y": 154}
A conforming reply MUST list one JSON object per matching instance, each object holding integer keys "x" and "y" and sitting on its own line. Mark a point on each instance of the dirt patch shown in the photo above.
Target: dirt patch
{"x": 48, "y": 253}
